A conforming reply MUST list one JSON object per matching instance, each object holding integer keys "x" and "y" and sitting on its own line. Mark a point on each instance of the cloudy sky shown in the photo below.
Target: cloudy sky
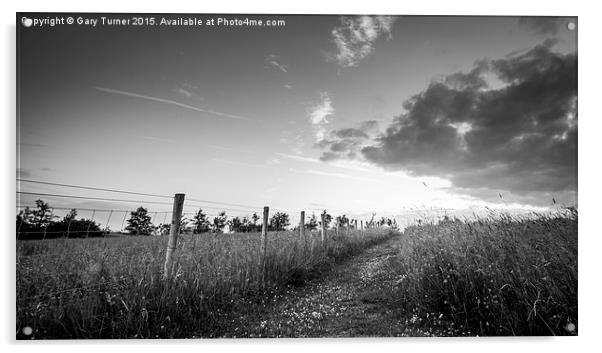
{"x": 351, "y": 114}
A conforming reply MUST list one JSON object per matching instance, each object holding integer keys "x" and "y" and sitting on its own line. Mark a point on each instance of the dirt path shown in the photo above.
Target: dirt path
{"x": 353, "y": 299}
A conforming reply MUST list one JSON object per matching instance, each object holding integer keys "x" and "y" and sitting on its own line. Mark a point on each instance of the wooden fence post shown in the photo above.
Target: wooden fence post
{"x": 264, "y": 243}
{"x": 302, "y": 225}
{"x": 174, "y": 231}
{"x": 362, "y": 226}
{"x": 324, "y": 229}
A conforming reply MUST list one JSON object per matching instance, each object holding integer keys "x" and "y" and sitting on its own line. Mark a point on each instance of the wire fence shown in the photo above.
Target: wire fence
{"x": 108, "y": 224}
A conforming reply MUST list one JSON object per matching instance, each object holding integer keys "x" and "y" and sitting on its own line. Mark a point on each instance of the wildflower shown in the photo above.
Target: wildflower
{"x": 570, "y": 327}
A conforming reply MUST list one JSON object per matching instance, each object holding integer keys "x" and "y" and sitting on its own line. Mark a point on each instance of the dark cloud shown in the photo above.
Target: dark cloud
{"x": 542, "y": 25}
{"x": 519, "y": 137}
{"x": 346, "y": 143}
{"x": 369, "y": 125}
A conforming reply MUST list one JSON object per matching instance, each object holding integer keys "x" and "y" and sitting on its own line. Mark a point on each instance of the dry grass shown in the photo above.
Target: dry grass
{"x": 497, "y": 276}
{"x": 113, "y": 287}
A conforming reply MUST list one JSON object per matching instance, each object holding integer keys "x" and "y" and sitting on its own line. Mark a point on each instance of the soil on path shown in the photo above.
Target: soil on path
{"x": 356, "y": 298}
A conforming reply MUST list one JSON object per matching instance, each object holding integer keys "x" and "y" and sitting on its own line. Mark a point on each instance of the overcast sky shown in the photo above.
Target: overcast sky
{"x": 351, "y": 114}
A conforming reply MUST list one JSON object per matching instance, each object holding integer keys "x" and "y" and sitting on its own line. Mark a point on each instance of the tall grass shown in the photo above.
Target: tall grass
{"x": 501, "y": 275}
{"x": 113, "y": 287}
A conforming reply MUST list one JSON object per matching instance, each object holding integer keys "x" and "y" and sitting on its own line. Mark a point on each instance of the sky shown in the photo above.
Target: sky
{"x": 352, "y": 114}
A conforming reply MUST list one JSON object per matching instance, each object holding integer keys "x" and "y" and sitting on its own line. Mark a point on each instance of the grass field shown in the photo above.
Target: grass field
{"x": 491, "y": 276}
{"x": 113, "y": 287}
{"x": 497, "y": 275}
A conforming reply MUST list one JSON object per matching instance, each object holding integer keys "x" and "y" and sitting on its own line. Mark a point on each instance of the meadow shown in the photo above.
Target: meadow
{"x": 114, "y": 287}
{"x": 489, "y": 276}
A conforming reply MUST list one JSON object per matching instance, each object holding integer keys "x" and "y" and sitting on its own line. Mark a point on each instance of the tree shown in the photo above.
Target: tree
{"x": 236, "y": 225}
{"x": 42, "y": 216}
{"x": 246, "y": 225}
{"x": 24, "y": 219}
{"x": 219, "y": 222}
{"x": 183, "y": 224}
{"x": 327, "y": 219}
{"x": 39, "y": 224}
{"x": 140, "y": 222}
{"x": 279, "y": 221}
{"x": 342, "y": 221}
{"x": 163, "y": 228}
{"x": 253, "y": 226}
{"x": 72, "y": 227}
{"x": 200, "y": 222}
{"x": 313, "y": 222}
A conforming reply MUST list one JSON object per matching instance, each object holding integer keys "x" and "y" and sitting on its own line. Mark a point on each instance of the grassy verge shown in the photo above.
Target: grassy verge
{"x": 113, "y": 288}
{"x": 497, "y": 276}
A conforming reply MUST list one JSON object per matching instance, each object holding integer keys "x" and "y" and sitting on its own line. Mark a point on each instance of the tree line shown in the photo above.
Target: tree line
{"x": 41, "y": 223}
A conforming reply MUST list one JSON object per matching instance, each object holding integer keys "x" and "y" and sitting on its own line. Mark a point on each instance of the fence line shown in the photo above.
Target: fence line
{"x": 133, "y": 193}
{"x": 177, "y": 215}
{"x": 92, "y": 188}
{"x": 89, "y": 198}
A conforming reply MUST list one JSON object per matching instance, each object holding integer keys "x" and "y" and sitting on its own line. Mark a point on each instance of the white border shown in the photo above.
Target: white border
{"x": 589, "y": 131}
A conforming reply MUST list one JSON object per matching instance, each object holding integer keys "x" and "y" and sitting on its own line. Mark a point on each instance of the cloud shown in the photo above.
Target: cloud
{"x": 172, "y": 102}
{"x": 223, "y": 148}
{"x": 297, "y": 158}
{"x": 346, "y": 143}
{"x": 354, "y": 39}
{"x": 343, "y": 164}
{"x": 273, "y": 60}
{"x": 542, "y": 25}
{"x": 318, "y": 115}
{"x": 339, "y": 175}
{"x": 287, "y": 86}
{"x": 518, "y": 139}
{"x": 184, "y": 92}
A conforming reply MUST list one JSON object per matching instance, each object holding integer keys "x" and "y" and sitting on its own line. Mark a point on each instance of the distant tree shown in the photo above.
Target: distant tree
{"x": 42, "y": 216}
{"x": 139, "y": 222}
{"x": 279, "y": 221}
{"x": 40, "y": 224}
{"x": 342, "y": 221}
{"x": 313, "y": 223}
{"x": 246, "y": 225}
{"x": 253, "y": 226}
{"x": 163, "y": 228}
{"x": 327, "y": 219}
{"x": 183, "y": 224}
{"x": 236, "y": 225}
{"x": 219, "y": 222}
{"x": 371, "y": 223}
{"x": 200, "y": 222}
{"x": 24, "y": 219}
{"x": 70, "y": 216}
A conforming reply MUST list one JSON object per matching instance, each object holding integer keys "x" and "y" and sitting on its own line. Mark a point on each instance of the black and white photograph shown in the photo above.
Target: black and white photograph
{"x": 295, "y": 176}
